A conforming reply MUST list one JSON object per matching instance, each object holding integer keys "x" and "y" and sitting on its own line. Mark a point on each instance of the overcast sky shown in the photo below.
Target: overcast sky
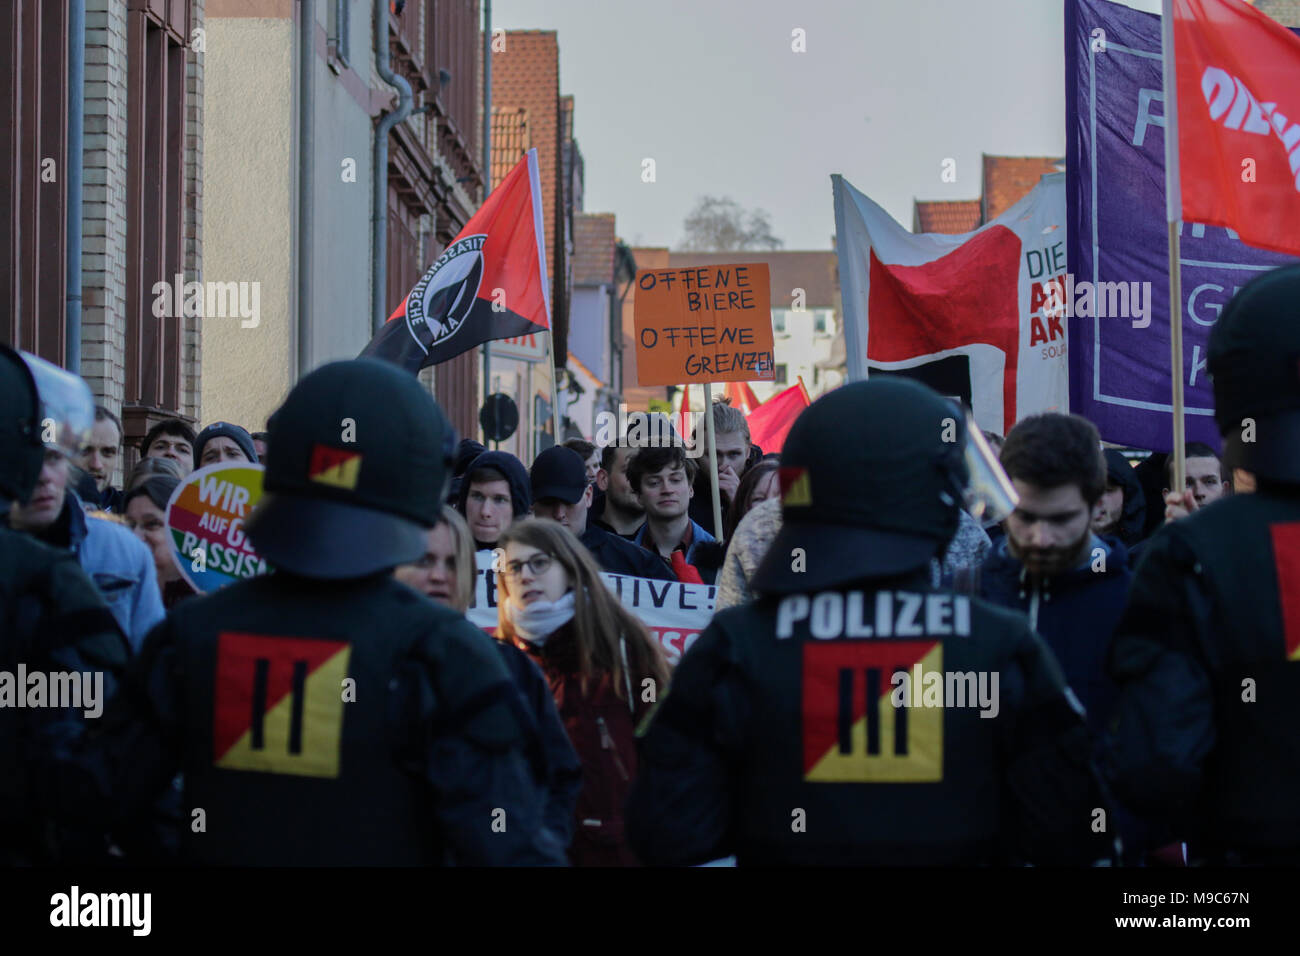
{"x": 712, "y": 91}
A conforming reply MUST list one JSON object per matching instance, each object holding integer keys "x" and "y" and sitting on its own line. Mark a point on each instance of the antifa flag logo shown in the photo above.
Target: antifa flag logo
{"x": 489, "y": 283}
{"x": 441, "y": 301}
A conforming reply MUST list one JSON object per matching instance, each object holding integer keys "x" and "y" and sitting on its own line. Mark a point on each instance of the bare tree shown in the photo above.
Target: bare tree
{"x": 719, "y": 224}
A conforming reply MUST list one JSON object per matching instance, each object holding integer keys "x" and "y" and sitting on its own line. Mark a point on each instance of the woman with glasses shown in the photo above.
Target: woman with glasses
{"x": 603, "y": 666}
{"x": 447, "y": 574}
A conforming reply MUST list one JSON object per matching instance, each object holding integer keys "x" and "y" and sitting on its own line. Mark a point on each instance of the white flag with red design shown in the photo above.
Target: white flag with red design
{"x": 978, "y": 316}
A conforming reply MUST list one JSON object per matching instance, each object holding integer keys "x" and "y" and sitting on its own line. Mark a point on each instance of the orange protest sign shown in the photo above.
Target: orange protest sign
{"x": 704, "y": 324}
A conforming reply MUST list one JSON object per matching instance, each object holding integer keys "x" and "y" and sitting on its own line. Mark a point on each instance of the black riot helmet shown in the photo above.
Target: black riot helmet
{"x": 872, "y": 477}
{"x": 1254, "y": 361}
{"x": 41, "y": 407}
{"x": 358, "y": 464}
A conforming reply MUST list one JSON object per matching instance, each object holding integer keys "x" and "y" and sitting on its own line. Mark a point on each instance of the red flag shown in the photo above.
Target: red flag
{"x": 978, "y": 316}
{"x": 489, "y": 283}
{"x": 684, "y": 424}
{"x": 771, "y": 421}
{"x": 742, "y": 396}
{"x": 1239, "y": 121}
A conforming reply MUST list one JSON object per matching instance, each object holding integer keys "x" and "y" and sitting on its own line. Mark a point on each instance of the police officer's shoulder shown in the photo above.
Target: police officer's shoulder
{"x": 469, "y": 677}
{"x": 1174, "y": 544}
{"x": 987, "y": 616}
{"x": 732, "y": 630}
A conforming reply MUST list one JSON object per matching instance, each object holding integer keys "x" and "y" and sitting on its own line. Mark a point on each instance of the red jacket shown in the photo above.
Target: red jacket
{"x": 602, "y": 729}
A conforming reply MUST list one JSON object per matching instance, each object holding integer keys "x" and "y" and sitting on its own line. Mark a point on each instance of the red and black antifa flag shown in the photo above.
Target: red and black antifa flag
{"x": 489, "y": 283}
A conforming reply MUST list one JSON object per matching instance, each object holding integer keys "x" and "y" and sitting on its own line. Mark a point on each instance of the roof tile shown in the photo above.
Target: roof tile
{"x": 947, "y": 216}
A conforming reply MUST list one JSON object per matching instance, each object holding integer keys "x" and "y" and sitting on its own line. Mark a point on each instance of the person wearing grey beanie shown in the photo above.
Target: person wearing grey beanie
{"x": 222, "y": 442}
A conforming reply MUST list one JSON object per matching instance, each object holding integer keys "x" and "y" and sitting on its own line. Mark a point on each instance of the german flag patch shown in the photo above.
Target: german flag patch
{"x": 852, "y": 732}
{"x": 278, "y": 704}
{"x": 1286, "y": 558}
{"x": 796, "y": 490}
{"x": 334, "y": 466}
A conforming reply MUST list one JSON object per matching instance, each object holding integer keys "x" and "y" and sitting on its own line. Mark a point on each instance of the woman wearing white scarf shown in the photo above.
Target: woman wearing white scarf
{"x": 604, "y": 669}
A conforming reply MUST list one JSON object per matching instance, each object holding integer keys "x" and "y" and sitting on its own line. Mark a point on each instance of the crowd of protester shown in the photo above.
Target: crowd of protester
{"x": 580, "y": 659}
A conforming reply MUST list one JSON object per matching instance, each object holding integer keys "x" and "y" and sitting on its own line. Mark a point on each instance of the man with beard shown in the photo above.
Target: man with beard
{"x": 622, "y": 513}
{"x": 1051, "y": 565}
{"x": 562, "y": 494}
{"x": 100, "y": 457}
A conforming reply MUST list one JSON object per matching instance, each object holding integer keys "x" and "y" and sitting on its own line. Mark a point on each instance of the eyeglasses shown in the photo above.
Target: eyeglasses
{"x": 538, "y": 564}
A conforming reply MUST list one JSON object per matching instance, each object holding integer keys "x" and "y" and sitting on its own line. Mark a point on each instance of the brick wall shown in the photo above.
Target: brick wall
{"x": 104, "y": 211}
{"x": 103, "y": 263}
{"x": 191, "y": 339}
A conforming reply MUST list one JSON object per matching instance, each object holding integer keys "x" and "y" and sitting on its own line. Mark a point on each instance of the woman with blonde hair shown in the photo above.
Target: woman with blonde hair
{"x": 603, "y": 666}
{"x": 448, "y": 573}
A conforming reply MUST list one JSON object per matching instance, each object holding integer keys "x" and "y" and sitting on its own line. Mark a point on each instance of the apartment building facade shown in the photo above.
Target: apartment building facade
{"x": 295, "y": 99}
{"x": 105, "y": 202}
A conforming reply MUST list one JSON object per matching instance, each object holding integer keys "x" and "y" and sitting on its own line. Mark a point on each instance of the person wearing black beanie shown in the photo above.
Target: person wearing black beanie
{"x": 222, "y": 442}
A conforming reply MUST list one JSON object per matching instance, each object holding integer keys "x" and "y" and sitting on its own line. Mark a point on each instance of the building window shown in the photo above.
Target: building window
{"x": 780, "y": 374}
{"x": 33, "y": 264}
{"x": 337, "y": 29}
{"x": 778, "y": 321}
{"x": 156, "y": 101}
{"x": 819, "y": 322}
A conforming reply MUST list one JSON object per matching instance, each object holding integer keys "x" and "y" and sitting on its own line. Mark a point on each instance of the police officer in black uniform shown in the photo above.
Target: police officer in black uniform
{"x": 326, "y": 714}
{"x": 52, "y": 619}
{"x": 815, "y": 725}
{"x": 1207, "y": 653}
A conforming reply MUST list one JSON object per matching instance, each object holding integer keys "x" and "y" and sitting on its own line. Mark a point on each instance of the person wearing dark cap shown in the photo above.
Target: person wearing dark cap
{"x": 494, "y": 491}
{"x": 853, "y": 683}
{"x": 222, "y": 442}
{"x": 562, "y": 493}
{"x": 326, "y": 714}
{"x": 1206, "y": 652}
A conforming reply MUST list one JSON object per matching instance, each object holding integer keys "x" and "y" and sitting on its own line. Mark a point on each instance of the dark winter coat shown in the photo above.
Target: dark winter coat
{"x": 1075, "y": 613}
{"x": 620, "y": 556}
{"x": 602, "y": 728}
{"x": 555, "y": 762}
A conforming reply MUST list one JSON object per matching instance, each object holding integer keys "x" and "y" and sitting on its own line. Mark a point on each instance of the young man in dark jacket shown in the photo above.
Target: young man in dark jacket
{"x": 1070, "y": 581}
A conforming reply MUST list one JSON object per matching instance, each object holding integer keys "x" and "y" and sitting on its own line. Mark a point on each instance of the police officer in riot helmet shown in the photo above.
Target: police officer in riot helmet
{"x": 52, "y": 618}
{"x": 324, "y": 713}
{"x": 854, "y": 714}
{"x": 1207, "y": 653}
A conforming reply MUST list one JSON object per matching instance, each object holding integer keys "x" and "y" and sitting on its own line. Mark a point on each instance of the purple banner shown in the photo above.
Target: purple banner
{"x": 1117, "y": 239}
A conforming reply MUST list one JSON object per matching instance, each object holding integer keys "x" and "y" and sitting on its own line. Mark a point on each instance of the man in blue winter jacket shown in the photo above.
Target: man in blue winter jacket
{"x": 114, "y": 558}
{"x": 1071, "y": 582}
